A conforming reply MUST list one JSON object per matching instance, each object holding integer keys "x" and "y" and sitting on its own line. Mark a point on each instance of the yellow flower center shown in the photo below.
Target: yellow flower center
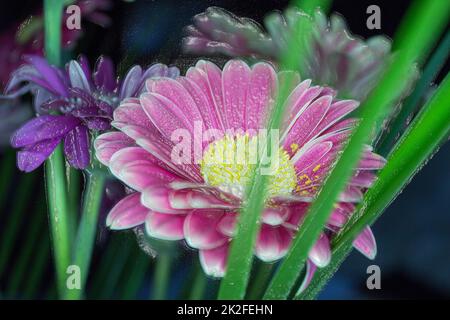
{"x": 228, "y": 164}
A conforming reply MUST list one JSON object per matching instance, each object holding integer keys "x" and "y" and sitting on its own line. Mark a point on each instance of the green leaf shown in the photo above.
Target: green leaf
{"x": 374, "y": 109}
{"x": 421, "y": 140}
{"x": 88, "y": 227}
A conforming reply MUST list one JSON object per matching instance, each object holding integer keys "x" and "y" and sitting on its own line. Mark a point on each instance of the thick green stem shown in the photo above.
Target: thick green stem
{"x": 87, "y": 229}
{"x": 55, "y": 169}
{"x": 260, "y": 281}
{"x": 73, "y": 181}
{"x": 57, "y": 202}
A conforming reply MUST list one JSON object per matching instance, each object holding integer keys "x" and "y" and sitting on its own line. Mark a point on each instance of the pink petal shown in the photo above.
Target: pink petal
{"x": 275, "y": 216}
{"x": 294, "y": 105}
{"x": 164, "y": 114}
{"x": 136, "y": 167}
{"x": 235, "y": 82}
{"x": 109, "y": 143}
{"x": 209, "y": 78}
{"x": 337, "y": 111}
{"x": 262, "y": 88}
{"x": 306, "y": 122}
{"x": 272, "y": 243}
{"x": 160, "y": 148}
{"x": 156, "y": 198}
{"x": 297, "y": 213}
{"x": 200, "y": 229}
{"x": 320, "y": 253}
{"x": 363, "y": 179}
{"x": 366, "y": 244}
{"x": 310, "y": 270}
{"x": 299, "y": 99}
{"x": 177, "y": 94}
{"x": 227, "y": 224}
{"x": 165, "y": 226}
{"x": 127, "y": 213}
{"x": 307, "y": 158}
{"x": 206, "y": 108}
{"x": 214, "y": 261}
{"x": 130, "y": 112}
{"x": 371, "y": 161}
{"x": 351, "y": 194}
{"x": 338, "y": 217}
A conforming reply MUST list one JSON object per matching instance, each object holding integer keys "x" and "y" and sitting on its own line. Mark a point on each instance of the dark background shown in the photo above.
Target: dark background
{"x": 413, "y": 235}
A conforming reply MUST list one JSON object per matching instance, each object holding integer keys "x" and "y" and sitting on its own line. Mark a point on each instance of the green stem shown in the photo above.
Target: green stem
{"x": 240, "y": 258}
{"x": 87, "y": 229}
{"x": 417, "y": 145}
{"x": 55, "y": 178}
{"x": 57, "y": 202}
{"x": 260, "y": 281}
{"x": 162, "y": 276}
{"x": 73, "y": 183}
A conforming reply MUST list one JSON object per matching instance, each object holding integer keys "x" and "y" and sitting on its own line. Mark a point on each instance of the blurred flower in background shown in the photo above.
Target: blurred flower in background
{"x": 334, "y": 57}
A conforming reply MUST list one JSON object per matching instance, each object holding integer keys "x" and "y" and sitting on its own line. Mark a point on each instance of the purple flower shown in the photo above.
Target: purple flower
{"x": 71, "y": 103}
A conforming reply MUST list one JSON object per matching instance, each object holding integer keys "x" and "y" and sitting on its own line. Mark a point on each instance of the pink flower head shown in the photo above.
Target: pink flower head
{"x": 183, "y": 192}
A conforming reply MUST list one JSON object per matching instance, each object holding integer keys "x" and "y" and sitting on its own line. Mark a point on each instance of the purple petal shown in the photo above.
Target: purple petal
{"x": 131, "y": 83}
{"x": 49, "y": 73}
{"x": 77, "y": 77}
{"x": 98, "y": 124}
{"x": 43, "y": 128}
{"x": 76, "y": 147}
{"x": 33, "y": 156}
{"x": 104, "y": 76}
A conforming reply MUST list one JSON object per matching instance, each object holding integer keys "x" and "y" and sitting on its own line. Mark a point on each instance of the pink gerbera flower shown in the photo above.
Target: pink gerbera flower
{"x": 182, "y": 192}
